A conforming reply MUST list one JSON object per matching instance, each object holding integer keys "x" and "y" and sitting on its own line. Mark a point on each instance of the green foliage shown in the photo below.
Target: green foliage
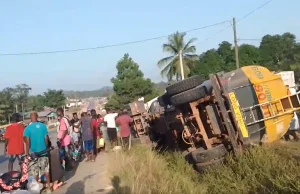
{"x": 142, "y": 170}
{"x": 37, "y": 103}
{"x": 129, "y": 84}
{"x": 12, "y": 99}
{"x": 170, "y": 66}
{"x": 276, "y": 52}
{"x": 268, "y": 169}
{"x": 265, "y": 169}
{"x": 113, "y": 102}
{"x": 54, "y": 98}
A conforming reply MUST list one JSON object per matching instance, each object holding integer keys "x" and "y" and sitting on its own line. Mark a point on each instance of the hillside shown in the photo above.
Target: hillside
{"x": 104, "y": 91}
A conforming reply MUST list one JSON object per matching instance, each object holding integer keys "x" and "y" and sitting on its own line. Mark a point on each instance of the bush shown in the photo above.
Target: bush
{"x": 143, "y": 171}
{"x": 268, "y": 169}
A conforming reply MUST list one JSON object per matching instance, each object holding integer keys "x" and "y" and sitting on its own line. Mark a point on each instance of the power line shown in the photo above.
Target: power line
{"x": 256, "y": 39}
{"x": 108, "y": 46}
{"x": 242, "y": 18}
{"x": 253, "y": 11}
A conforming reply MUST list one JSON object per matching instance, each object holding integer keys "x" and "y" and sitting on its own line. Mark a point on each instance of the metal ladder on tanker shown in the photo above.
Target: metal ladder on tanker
{"x": 274, "y": 108}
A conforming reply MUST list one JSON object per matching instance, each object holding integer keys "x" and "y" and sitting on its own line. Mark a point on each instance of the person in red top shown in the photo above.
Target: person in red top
{"x": 96, "y": 131}
{"x": 124, "y": 121}
{"x": 99, "y": 119}
{"x": 14, "y": 143}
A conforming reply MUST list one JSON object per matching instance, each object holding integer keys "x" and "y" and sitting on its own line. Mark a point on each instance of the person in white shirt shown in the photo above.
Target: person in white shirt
{"x": 110, "y": 120}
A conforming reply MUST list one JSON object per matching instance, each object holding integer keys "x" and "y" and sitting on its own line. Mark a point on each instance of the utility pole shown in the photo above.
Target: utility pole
{"x": 236, "y": 47}
{"x": 16, "y": 108}
{"x": 181, "y": 65}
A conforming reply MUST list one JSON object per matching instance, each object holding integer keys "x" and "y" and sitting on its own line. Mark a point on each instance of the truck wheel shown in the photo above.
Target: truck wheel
{"x": 164, "y": 100}
{"x": 184, "y": 85}
{"x": 201, "y": 156}
{"x": 202, "y": 167}
{"x": 189, "y": 96}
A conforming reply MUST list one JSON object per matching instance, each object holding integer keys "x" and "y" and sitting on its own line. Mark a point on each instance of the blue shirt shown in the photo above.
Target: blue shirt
{"x": 36, "y": 132}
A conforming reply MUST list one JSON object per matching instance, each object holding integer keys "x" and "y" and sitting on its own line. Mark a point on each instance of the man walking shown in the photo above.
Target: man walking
{"x": 110, "y": 120}
{"x": 96, "y": 131}
{"x": 14, "y": 144}
{"x": 124, "y": 121}
{"x": 36, "y": 139}
{"x": 87, "y": 136}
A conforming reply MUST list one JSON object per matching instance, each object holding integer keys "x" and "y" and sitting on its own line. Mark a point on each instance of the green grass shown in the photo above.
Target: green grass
{"x": 269, "y": 169}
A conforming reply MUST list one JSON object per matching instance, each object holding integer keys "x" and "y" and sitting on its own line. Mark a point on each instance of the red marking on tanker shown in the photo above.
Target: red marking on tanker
{"x": 264, "y": 94}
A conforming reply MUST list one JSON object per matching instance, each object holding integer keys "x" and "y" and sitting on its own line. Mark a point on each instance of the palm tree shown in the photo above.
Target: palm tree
{"x": 170, "y": 66}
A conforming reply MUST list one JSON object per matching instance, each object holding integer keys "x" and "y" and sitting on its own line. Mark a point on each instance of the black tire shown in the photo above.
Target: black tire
{"x": 188, "y": 157}
{"x": 170, "y": 109}
{"x": 161, "y": 101}
{"x": 184, "y": 85}
{"x": 189, "y": 96}
{"x": 202, "y": 167}
{"x": 164, "y": 100}
{"x": 201, "y": 156}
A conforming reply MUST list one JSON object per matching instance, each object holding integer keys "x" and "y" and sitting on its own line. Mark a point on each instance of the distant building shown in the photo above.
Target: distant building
{"x": 44, "y": 116}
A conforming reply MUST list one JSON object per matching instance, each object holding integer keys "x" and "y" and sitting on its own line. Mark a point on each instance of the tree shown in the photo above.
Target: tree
{"x": 7, "y": 103}
{"x": 36, "y": 103}
{"x": 278, "y": 51}
{"x": 248, "y": 55}
{"x": 21, "y": 95}
{"x": 171, "y": 65}
{"x": 129, "y": 84}
{"x": 113, "y": 102}
{"x": 54, "y": 98}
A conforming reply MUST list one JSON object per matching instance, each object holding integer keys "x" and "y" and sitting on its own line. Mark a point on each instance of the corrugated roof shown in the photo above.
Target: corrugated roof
{"x": 44, "y": 113}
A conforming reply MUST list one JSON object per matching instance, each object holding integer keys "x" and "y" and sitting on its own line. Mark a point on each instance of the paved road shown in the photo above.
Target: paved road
{"x": 91, "y": 105}
{"x": 4, "y": 159}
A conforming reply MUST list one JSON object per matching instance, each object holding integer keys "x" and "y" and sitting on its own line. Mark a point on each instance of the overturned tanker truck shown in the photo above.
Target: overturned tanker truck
{"x": 227, "y": 113}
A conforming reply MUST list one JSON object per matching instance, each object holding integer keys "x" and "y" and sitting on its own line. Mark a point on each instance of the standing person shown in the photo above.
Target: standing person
{"x": 63, "y": 131}
{"x": 87, "y": 137}
{"x": 99, "y": 119}
{"x": 124, "y": 121}
{"x": 36, "y": 139}
{"x": 96, "y": 132}
{"x": 111, "y": 127}
{"x": 75, "y": 123}
{"x": 14, "y": 144}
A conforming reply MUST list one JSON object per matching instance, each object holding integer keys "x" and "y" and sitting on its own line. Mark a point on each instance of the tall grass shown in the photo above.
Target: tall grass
{"x": 267, "y": 169}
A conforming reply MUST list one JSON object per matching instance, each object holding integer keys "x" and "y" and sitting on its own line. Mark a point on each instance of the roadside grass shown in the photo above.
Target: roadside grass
{"x": 267, "y": 169}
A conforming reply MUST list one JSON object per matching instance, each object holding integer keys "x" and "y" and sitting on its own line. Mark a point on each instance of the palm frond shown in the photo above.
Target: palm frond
{"x": 161, "y": 63}
{"x": 188, "y": 45}
{"x": 170, "y": 48}
{"x": 171, "y": 65}
{"x": 190, "y": 57}
{"x": 191, "y": 49}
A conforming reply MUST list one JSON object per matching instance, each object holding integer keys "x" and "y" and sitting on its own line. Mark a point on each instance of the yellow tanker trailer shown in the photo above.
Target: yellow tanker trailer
{"x": 231, "y": 111}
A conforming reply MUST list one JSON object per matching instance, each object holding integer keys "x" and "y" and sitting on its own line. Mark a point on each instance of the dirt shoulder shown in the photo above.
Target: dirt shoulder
{"x": 89, "y": 178}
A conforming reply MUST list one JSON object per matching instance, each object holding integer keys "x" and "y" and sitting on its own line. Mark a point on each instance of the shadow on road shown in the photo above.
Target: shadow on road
{"x": 117, "y": 188}
{"x": 71, "y": 171}
{"x": 78, "y": 187}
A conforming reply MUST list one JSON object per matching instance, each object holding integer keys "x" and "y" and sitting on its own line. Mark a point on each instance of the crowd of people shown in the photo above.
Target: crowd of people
{"x": 89, "y": 133}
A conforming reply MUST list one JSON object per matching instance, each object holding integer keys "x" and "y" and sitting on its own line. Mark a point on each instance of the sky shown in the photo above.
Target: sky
{"x": 35, "y": 26}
